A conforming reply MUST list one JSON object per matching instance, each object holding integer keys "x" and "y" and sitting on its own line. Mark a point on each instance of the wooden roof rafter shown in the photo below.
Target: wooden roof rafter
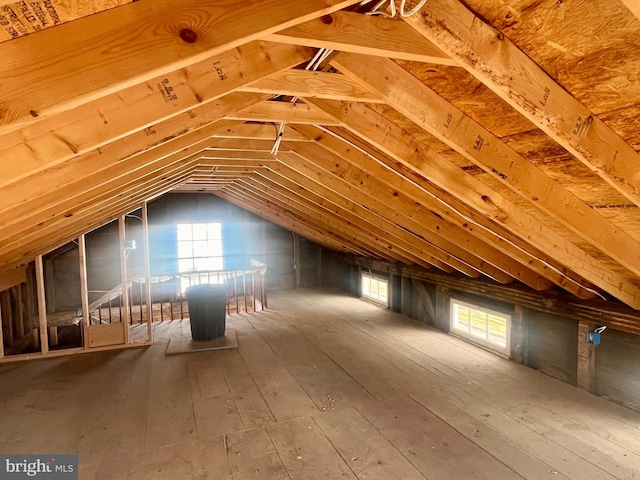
{"x": 524, "y": 85}
{"x": 447, "y": 123}
{"x": 135, "y": 44}
{"x": 367, "y": 173}
{"x": 402, "y": 146}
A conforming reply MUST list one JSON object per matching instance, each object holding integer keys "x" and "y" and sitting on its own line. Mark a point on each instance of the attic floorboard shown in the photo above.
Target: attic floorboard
{"x": 322, "y": 385}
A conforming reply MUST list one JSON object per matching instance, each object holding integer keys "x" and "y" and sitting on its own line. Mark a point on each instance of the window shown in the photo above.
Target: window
{"x": 375, "y": 288}
{"x": 199, "y": 247}
{"x": 480, "y": 325}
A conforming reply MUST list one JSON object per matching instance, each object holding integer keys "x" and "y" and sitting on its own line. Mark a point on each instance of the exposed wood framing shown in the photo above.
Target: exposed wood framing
{"x": 633, "y": 6}
{"x": 370, "y": 193}
{"x": 524, "y": 85}
{"x": 84, "y": 289}
{"x": 611, "y": 314}
{"x": 305, "y": 83}
{"x": 131, "y": 45}
{"x": 124, "y": 279}
{"x": 147, "y": 270}
{"x": 42, "y": 306}
{"x": 470, "y": 139}
{"x": 476, "y": 140}
{"x": 586, "y": 357}
{"x": 398, "y": 187}
{"x": 405, "y": 148}
{"x": 352, "y": 32}
{"x": 143, "y": 109}
{"x": 1, "y": 334}
{"x": 12, "y": 278}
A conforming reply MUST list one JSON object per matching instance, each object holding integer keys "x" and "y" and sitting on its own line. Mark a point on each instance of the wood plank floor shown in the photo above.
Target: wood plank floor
{"x": 322, "y": 386}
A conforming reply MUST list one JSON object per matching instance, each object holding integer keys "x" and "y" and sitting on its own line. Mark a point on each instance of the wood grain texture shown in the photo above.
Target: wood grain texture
{"x": 406, "y": 149}
{"x": 97, "y": 55}
{"x": 185, "y": 97}
{"x": 387, "y": 180}
{"x": 306, "y": 83}
{"x": 469, "y": 138}
{"x": 370, "y": 35}
{"x": 18, "y": 19}
{"x": 282, "y": 112}
{"x": 330, "y": 220}
{"x": 387, "y": 203}
{"x": 519, "y": 81}
{"x": 586, "y": 357}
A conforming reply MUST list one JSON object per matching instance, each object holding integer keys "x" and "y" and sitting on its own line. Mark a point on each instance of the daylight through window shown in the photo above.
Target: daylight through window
{"x": 480, "y": 325}
{"x": 375, "y": 288}
{"x": 199, "y": 247}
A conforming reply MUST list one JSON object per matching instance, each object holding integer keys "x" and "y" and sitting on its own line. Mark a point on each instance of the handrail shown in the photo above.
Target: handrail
{"x": 246, "y": 286}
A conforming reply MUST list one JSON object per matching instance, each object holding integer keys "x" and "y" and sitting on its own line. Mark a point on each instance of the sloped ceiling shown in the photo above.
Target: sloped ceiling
{"x": 494, "y": 138}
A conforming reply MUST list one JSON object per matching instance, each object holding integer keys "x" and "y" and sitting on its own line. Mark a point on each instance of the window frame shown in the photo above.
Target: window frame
{"x": 477, "y": 340}
{"x": 194, "y": 243}
{"x": 377, "y": 278}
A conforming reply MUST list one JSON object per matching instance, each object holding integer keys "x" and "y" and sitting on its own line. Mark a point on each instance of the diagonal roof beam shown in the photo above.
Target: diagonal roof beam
{"x": 403, "y": 147}
{"x": 370, "y": 35}
{"x": 100, "y": 54}
{"x": 195, "y": 93}
{"x": 633, "y": 6}
{"x": 394, "y": 212}
{"x": 448, "y": 206}
{"x": 302, "y": 179}
{"x": 95, "y": 215}
{"x": 321, "y": 184}
{"x": 315, "y": 213}
{"x": 274, "y": 211}
{"x": 283, "y": 218}
{"x": 437, "y": 116}
{"x": 497, "y": 62}
{"x": 383, "y": 180}
{"x": 42, "y": 191}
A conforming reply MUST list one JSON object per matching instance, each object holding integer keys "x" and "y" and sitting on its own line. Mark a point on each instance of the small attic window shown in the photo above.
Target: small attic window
{"x": 375, "y": 288}
{"x": 488, "y": 328}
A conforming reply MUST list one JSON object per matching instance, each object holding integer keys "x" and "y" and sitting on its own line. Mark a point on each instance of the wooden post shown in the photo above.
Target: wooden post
{"x": 442, "y": 308}
{"x": 296, "y": 259}
{"x": 84, "y": 289}
{"x": 586, "y": 357}
{"x": 125, "y": 281}
{"x": 519, "y": 338}
{"x": 42, "y": 306}
{"x": 147, "y": 271}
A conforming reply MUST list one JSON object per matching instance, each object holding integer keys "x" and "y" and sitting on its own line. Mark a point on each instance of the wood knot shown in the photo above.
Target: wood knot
{"x": 188, "y": 36}
{"x": 326, "y": 19}
{"x": 33, "y": 113}
{"x": 501, "y": 36}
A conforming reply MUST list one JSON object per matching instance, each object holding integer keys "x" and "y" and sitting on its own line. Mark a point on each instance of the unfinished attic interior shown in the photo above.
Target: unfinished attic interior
{"x": 424, "y": 214}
